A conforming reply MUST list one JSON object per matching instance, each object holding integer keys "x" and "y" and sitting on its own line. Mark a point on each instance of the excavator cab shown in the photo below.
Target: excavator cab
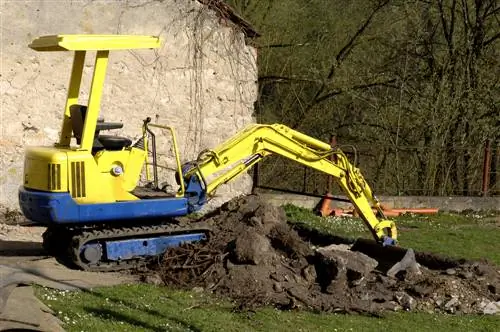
{"x": 89, "y": 175}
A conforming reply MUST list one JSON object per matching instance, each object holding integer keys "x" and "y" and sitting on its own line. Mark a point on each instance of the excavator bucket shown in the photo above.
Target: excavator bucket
{"x": 386, "y": 256}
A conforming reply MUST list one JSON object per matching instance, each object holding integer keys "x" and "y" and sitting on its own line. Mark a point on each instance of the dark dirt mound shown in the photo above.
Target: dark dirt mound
{"x": 255, "y": 258}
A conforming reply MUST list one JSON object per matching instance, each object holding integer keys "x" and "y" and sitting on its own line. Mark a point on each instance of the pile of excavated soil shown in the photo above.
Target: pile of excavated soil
{"x": 254, "y": 257}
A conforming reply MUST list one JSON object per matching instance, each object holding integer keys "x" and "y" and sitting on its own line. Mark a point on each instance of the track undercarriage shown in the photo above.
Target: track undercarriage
{"x": 102, "y": 248}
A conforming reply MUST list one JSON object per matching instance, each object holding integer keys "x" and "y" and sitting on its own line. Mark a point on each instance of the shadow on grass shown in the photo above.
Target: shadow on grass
{"x": 116, "y": 300}
{"x": 318, "y": 237}
{"x": 113, "y": 315}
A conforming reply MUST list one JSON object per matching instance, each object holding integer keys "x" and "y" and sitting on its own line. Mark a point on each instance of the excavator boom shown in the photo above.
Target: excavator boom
{"x": 232, "y": 158}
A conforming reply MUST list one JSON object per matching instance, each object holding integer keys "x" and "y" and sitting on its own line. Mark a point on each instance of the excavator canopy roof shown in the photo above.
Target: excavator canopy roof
{"x": 93, "y": 42}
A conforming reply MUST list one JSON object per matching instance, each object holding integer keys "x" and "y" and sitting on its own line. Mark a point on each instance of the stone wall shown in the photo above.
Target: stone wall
{"x": 203, "y": 81}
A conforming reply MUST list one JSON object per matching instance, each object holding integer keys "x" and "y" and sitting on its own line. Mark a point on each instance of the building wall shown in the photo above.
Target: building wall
{"x": 203, "y": 81}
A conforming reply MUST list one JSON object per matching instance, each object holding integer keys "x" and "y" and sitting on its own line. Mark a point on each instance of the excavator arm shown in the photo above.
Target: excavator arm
{"x": 232, "y": 158}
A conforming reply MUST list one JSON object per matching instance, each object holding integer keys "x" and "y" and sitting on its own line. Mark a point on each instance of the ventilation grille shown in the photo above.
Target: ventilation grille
{"x": 139, "y": 144}
{"x": 54, "y": 177}
{"x": 78, "y": 179}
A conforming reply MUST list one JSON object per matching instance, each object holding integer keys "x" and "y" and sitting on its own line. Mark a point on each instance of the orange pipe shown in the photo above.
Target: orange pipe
{"x": 390, "y": 213}
{"x": 325, "y": 209}
{"x": 387, "y": 212}
{"x": 342, "y": 212}
{"x": 417, "y": 211}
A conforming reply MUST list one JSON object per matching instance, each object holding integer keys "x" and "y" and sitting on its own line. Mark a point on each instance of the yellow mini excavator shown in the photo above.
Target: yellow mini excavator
{"x": 85, "y": 186}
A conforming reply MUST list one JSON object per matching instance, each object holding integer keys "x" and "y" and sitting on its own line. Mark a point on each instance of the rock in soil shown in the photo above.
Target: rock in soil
{"x": 492, "y": 308}
{"x": 254, "y": 257}
{"x": 408, "y": 265}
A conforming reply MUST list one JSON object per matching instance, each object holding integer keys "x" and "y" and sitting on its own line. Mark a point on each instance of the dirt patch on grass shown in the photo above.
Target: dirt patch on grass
{"x": 254, "y": 257}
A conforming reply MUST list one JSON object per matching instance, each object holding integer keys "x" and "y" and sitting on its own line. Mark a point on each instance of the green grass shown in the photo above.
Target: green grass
{"x": 149, "y": 308}
{"x": 473, "y": 236}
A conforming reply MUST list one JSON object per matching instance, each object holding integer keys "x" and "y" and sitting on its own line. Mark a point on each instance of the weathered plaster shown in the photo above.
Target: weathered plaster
{"x": 203, "y": 81}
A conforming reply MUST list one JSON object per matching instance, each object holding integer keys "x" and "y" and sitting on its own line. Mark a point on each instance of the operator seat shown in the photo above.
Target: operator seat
{"x": 101, "y": 142}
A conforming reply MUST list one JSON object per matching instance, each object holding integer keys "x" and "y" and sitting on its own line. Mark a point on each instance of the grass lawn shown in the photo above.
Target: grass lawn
{"x": 474, "y": 236}
{"x": 150, "y": 308}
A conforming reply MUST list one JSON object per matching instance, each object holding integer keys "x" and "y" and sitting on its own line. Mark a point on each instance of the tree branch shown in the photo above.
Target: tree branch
{"x": 341, "y": 55}
{"x": 493, "y": 12}
{"x": 282, "y": 45}
{"x": 448, "y": 27}
{"x": 492, "y": 39}
{"x": 287, "y": 79}
{"x": 389, "y": 130}
{"x": 356, "y": 87}
{"x": 344, "y": 52}
{"x": 466, "y": 17}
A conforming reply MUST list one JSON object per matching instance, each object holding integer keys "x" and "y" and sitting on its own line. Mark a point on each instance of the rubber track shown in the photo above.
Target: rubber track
{"x": 74, "y": 239}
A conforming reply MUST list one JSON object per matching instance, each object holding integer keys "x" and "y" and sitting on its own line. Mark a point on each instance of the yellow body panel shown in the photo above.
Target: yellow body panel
{"x": 87, "y": 178}
{"x": 101, "y": 184}
{"x": 129, "y": 160}
{"x": 86, "y": 183}
{"x": 93, "y": 42}
{"x": 45, "y": 169}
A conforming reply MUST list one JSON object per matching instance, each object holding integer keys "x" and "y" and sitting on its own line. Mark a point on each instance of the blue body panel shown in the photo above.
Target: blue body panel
{"x": 59, "y": 208}
{"x": 130, "y": 248}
